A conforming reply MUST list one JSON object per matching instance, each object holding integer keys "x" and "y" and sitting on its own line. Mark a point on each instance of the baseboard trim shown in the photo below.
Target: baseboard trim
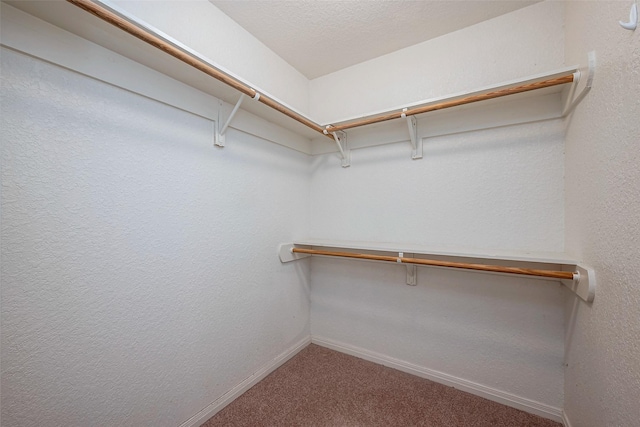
{"x": 565, "y": 419}
{"x": 216, "y": 406}
{"x": 509, "y": 399}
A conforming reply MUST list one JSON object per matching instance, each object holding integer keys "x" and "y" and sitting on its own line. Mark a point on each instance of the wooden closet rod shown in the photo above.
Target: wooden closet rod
{"x": 453, "y": 103}
{"x": 189, "y": 59}
{"x": 482, "y": 267}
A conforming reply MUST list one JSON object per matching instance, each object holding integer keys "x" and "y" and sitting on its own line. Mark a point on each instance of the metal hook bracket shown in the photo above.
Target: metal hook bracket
{"x": 416, "y": 145}
{"x": 220, "y": 135}
{"x": 412, "y": 269}
{"x": 220, "y": 139}
{"x": 633, "y": 19}
{"x": 341, "y": 141}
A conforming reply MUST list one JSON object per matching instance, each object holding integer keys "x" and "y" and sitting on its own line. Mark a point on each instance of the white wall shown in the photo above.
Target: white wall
{"x": 139, "y": 276}
{"x": 602, "y": 205}
{"x": 497, "y": 336}
{"x": 493, "y": 190}
{"x": 206, "y": 29}
{"x": 499, "y": 189}
{"x": 518, "y": 44}
{"x": 124, "y": 301}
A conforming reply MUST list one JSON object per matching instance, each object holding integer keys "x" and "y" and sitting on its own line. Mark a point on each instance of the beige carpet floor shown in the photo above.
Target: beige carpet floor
{"x": 321, "y": 387}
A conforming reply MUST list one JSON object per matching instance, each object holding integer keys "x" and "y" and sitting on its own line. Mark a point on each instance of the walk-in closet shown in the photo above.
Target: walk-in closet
{"x": 320, "y": 213}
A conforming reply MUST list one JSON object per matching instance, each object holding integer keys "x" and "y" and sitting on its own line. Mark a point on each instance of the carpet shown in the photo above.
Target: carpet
{"x": 320, "y": 387}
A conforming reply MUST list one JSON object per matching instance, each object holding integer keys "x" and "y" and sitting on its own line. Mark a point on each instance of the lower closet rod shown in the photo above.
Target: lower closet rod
{"x": 482, "y": 267}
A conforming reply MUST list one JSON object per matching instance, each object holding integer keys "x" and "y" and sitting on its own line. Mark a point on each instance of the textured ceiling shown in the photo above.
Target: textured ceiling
{"x": 319, "y": 37}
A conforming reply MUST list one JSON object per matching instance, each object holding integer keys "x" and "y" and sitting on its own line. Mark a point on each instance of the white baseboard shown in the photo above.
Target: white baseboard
{"x": 565, "y": 419}
{"x": 512, "y": 400}
{"x": 216, "y": 406}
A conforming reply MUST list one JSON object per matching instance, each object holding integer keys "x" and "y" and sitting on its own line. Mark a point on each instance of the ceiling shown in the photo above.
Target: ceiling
{"x": 318, "y": 37}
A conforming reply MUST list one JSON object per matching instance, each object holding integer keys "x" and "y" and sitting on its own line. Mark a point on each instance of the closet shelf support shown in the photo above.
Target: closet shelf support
{"x": 220, "y": 135}
{"x": 583, "y": 283}
{"x": 571, "y": 103}
{"x": 341, "y": 141}
{"x": 416, "y": 145}
{"x": 412, "y": 270}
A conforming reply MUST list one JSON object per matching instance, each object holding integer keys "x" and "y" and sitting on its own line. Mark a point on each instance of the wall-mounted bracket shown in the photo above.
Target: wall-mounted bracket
{"x": 416, "y": 145}
{"x": 412, "y": 270}
{"x": 287, "y": 255}
{"x": 571, "y": 103}
{"x": 220, "y": 139}
{"x": 341, "y": 141}
{"x": 583, "y": 283}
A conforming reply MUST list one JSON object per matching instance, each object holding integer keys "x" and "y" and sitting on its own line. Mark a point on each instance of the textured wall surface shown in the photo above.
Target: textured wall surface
{"x": 500, "y": 332}
{"x": 204, "y": 28}
{"x": 139, "y": 279}
{"x": 602, "y": 219}
{"x": 498, "y": 189}
{"x": 139, "y": 274}
{"x": 518, "y": 44}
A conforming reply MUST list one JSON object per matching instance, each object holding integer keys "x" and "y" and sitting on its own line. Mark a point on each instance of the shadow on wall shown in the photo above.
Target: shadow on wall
{"x": 493, "y": 141}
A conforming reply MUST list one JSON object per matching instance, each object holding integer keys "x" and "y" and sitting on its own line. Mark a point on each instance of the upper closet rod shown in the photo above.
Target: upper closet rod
{"x": 454, "y": 103}
{"x": 186, "y": 57}
{"x": 481, "y": 267}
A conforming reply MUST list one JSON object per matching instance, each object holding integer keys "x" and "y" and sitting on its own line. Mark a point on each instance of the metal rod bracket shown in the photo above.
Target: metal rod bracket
{"x": 286, "y": 254}
{"x": 412, "y": 270}
{"x": 220, "y": 135}
{"x": 571, "y": 103}
{"x": 341, "y": 141}
{"x": 583, "y": 283}
{"x": 416, "y": 145}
